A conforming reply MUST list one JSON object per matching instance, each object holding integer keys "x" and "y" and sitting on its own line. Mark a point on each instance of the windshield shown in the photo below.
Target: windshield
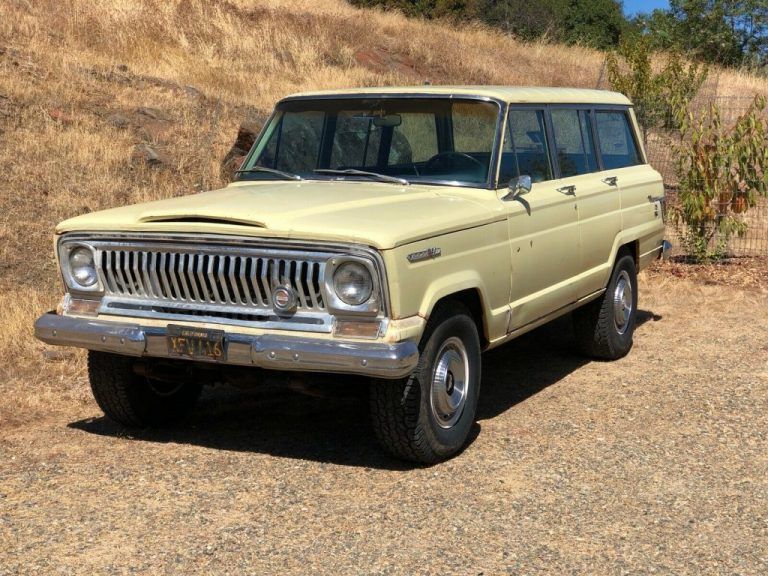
{"x": 430, "y": 140}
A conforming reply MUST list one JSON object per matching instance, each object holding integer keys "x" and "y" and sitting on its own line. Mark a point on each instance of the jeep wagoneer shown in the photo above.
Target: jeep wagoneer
{"x": 391, "y": 233}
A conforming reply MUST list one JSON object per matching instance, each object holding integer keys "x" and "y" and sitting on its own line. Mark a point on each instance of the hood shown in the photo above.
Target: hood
{"x": 377, "y": 214}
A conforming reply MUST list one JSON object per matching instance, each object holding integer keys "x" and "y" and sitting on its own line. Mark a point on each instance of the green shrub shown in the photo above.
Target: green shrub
{"x": 722, "y": 171}
{"x": 658, "y": 97}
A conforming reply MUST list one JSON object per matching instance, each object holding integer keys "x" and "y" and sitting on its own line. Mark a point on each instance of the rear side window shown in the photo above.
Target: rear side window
{"x": 617, "y": 144}
{"x": 525, "y": 148}
{"x": 573, "y": 141}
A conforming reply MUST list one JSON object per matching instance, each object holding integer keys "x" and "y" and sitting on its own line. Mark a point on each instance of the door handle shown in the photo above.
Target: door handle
{"x": 611, "y": 180}
{"x": 568, "y": 190}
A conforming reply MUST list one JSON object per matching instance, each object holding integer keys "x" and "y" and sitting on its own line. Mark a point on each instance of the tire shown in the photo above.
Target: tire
{"x": 604, "y": 328}
{"x": 428, "y": 416}
{"x": 134, "y": 400}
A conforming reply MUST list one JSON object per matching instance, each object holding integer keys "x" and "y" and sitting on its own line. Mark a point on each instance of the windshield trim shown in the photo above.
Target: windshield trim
{"x": 493, "y": 169}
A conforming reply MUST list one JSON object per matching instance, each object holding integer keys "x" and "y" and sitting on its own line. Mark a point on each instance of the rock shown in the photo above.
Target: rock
{"x": 118, "y": 121}
{"x": 150, "y": 155}
{"x": 246, "y": 136}
{"x": 153, "y": 113}
{"x": 192, "y": 92}
{"x": 155, "y": 130}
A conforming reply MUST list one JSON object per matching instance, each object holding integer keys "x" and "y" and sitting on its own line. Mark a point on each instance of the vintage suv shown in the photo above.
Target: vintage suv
{"x": 392, "y": 233}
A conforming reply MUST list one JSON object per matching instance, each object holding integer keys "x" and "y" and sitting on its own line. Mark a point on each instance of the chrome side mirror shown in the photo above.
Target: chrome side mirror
{"x": 519, "y": 186}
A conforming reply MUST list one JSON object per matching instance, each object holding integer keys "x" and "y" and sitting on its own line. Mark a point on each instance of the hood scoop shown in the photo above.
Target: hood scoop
{"x": 193, "y": 219}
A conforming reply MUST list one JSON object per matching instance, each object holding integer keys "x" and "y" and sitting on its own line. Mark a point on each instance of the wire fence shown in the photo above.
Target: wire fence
{"x": 660, "y": 147}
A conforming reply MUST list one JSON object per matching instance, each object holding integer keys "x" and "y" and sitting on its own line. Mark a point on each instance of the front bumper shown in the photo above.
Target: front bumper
{"x": 267, "y": 351}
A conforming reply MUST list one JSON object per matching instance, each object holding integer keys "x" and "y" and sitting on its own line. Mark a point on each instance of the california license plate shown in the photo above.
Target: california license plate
{"x": 196, "y": 343}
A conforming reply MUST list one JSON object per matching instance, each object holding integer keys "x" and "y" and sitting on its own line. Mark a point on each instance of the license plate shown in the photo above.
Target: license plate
{"x": 196, "y": 343}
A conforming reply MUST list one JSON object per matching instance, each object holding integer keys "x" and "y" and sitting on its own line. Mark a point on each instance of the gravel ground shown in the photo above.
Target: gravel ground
{"x": 657, "y": 463}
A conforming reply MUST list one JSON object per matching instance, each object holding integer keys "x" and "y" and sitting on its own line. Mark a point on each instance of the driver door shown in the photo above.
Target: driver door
{"x": 543, "y": 224}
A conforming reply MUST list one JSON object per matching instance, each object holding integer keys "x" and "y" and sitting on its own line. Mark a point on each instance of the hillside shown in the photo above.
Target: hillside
{"x": 107, "y": 103}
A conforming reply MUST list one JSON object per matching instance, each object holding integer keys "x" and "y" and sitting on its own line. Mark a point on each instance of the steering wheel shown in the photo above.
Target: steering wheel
{"x": 452, "y": 160}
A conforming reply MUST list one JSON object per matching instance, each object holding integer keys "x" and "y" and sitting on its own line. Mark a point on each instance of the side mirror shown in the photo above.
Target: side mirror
{"x": 519, "y": 186}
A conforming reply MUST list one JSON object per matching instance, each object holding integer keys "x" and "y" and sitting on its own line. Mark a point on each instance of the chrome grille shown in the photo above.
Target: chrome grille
{"x": 210, "y": 279}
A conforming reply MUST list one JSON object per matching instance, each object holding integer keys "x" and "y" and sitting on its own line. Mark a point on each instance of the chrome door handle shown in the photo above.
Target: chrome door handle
{"x": 568, "y": 190}
{"x": 610, "y": 180}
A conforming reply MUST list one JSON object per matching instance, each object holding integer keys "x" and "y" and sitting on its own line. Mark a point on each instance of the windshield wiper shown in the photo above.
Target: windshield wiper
{"x": 286, "y": 175}
{"x": 353, "y": 172}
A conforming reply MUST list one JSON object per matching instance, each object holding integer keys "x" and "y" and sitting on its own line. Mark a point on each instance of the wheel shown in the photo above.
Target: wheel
{"x": 134, "y": 400}
{"x": 428, "y": 416}
{"x": 604, "y": 327}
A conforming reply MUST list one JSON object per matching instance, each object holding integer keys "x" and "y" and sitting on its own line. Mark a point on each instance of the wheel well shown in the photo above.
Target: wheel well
{"x": 471, "y": 300}
{"x": 631, "y": 249}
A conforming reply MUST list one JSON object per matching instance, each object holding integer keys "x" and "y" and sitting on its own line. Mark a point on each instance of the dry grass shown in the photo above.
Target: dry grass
{"x": 68, "y": 66}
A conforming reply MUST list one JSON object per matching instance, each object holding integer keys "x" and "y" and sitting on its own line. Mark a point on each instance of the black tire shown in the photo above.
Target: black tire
{"x": 406, "y": 413}
{"x": 602, "y": 331}
{"x": 134, "y": 400}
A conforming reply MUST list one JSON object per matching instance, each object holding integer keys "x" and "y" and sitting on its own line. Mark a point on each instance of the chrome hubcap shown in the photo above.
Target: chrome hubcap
{"x": 450, "y": 380}
{"x": 622, "y": 302}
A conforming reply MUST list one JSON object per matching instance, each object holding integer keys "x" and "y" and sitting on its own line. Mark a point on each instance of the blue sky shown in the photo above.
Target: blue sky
{"x": 632, "y": 7}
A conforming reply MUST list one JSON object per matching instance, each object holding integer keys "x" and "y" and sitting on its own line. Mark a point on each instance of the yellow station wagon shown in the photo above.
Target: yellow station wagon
{"x": 392, "y": 233}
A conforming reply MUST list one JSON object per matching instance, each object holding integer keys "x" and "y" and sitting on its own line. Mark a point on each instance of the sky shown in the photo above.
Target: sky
{"x": 632, "y": 7}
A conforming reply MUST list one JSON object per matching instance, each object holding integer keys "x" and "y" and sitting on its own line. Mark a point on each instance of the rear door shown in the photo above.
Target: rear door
{"x": 543, "y": 224}
{"x": 598, "y": 202}
{"x": 639, "y": 186}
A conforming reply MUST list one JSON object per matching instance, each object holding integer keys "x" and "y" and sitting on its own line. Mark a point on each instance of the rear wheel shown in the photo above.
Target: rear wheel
{"x": 134, "y": 400}
{"x": 428, "y": 417}
{"x": 605, "y": 327}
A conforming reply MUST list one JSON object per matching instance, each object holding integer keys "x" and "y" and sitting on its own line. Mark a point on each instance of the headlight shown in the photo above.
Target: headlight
{"x": 353, "y": 283}
{"x": 82, "y": 268}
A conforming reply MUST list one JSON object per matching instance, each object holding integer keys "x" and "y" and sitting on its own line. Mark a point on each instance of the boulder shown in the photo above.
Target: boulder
{"x": 246, "y": 136}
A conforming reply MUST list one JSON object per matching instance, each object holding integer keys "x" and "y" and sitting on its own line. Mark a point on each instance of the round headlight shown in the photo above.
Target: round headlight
{"x": 353, "y": 283}
{"x": 82, "y": 267}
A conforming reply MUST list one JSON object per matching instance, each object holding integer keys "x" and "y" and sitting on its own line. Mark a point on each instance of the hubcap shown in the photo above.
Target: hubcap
{"x": 622, "y": 302}
{"x": 450, "y": 380}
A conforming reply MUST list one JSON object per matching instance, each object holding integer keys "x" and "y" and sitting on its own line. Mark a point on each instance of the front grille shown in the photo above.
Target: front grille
{"x": 210, "y": 279}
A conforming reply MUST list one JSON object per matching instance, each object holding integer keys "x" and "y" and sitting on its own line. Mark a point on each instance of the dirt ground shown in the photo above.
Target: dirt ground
{"x": 657, "y": 463}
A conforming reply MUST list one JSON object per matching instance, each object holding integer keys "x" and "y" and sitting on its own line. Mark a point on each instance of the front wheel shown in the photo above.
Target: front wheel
{"x": 604, "y": 327}
{"x": 427, "y": 417}
{"x": 134, "y": 400}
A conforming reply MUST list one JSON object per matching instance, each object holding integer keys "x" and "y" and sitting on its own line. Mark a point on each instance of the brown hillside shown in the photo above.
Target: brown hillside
{"x": 109, "y": 103}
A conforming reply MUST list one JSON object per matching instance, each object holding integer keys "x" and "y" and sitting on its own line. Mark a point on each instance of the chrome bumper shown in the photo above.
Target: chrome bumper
{"x": 264, "y": 351}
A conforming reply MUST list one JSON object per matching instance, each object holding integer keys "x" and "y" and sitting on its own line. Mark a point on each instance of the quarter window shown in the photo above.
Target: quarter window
{"x": 617, "y": 144}
{"x": 573, "y": 142}
{"x": 525, "y": 149}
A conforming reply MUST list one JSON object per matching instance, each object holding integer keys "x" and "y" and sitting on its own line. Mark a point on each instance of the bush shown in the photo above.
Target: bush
{"x": 658, "y": 97}
{"x": 722, "y": 172}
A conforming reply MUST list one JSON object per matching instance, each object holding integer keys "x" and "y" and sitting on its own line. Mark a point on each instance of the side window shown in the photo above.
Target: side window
{"x": 573, "y": 141}
{"x": 525, "y": 148}
{"x": 294, "y": 143}
{"x": 414, "y": 140}
{"x": 617, "y": 144}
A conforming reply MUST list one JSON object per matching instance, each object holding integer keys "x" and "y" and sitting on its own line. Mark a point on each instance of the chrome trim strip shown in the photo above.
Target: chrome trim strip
{"x": 265, "y": 351}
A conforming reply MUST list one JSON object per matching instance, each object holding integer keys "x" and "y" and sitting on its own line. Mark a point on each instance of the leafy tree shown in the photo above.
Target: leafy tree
{"x": 659, "y": 97}
{"x": 596, "y": 23}
{"x": 722, "y": 171}
{"x": 728, "y": 32}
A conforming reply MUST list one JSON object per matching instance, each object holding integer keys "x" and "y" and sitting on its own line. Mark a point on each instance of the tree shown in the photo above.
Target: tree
{"x": 659, "y": 97}
{"x": 728, "y": 32}
{"x": 722, "y": 171}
